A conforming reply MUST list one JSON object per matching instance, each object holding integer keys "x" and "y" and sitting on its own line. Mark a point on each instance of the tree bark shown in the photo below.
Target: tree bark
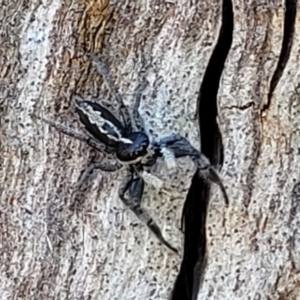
{"x": 235, "y": 66}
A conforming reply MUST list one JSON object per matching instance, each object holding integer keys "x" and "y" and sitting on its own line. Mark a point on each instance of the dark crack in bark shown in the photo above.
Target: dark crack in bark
{"x": 287, "y": 41}
{"x": 191, "y": 273}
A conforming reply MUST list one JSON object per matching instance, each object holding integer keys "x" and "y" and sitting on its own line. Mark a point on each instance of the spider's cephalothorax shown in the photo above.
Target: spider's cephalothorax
{"x": 136, "y": 151}
{"x": 128, "y": 140}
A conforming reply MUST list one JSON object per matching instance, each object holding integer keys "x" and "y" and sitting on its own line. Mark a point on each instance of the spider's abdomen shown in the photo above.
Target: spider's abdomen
{"x": 130, "y": 153}
{"x": 101, "y": 123}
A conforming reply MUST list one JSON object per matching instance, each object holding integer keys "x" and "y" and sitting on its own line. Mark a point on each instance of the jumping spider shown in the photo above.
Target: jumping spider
{"x": 133, "y": 148}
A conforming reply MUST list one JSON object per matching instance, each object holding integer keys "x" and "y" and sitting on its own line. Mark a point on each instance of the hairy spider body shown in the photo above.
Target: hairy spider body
{"x": 132, "y": 153}
{"x": 130, "y": 147}
{"x": 101, "y": 123}
{"x": 133, "y": 148}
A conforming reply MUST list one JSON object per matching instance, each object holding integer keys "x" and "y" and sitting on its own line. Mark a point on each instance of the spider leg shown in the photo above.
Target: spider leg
{"x": 103, "y": 166}
{"x": 208, "y": 171}
{"x": 151, "y": 179}
{"x": 103, "y": 70}
{"x": 135, "y": 188}
{"x": 175, "y": 146}
{"x": 214, "y": 176}
{"x": 181, "y": 147}
{"x": 84, "y": 138}
{"x": 138, "y": 120}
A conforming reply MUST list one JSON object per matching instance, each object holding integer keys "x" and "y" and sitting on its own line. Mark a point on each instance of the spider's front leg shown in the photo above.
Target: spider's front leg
{"x": 175, "y": 146}
{"x": 135, "y": 189}
{"x": 208, "y": 171}
{"x": 179, "y": 146}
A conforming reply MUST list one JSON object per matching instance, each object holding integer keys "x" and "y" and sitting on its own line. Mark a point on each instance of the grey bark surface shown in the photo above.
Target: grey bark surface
{"x": 62, "y": 239}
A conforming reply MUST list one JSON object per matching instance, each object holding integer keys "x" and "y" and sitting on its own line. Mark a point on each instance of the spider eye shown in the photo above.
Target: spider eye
{"x": 138, "y": 148}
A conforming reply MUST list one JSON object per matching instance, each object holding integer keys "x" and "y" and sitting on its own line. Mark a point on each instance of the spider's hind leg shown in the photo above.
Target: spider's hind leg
{"x": 137, "y": 118}
{"x": 135, "y": 188}
{"x": 104, "y": 71}
{"x": 76, "y": 135}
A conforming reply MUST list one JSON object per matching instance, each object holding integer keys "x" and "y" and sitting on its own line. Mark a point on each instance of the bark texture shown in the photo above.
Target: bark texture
{"x": 64, "y": 239}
